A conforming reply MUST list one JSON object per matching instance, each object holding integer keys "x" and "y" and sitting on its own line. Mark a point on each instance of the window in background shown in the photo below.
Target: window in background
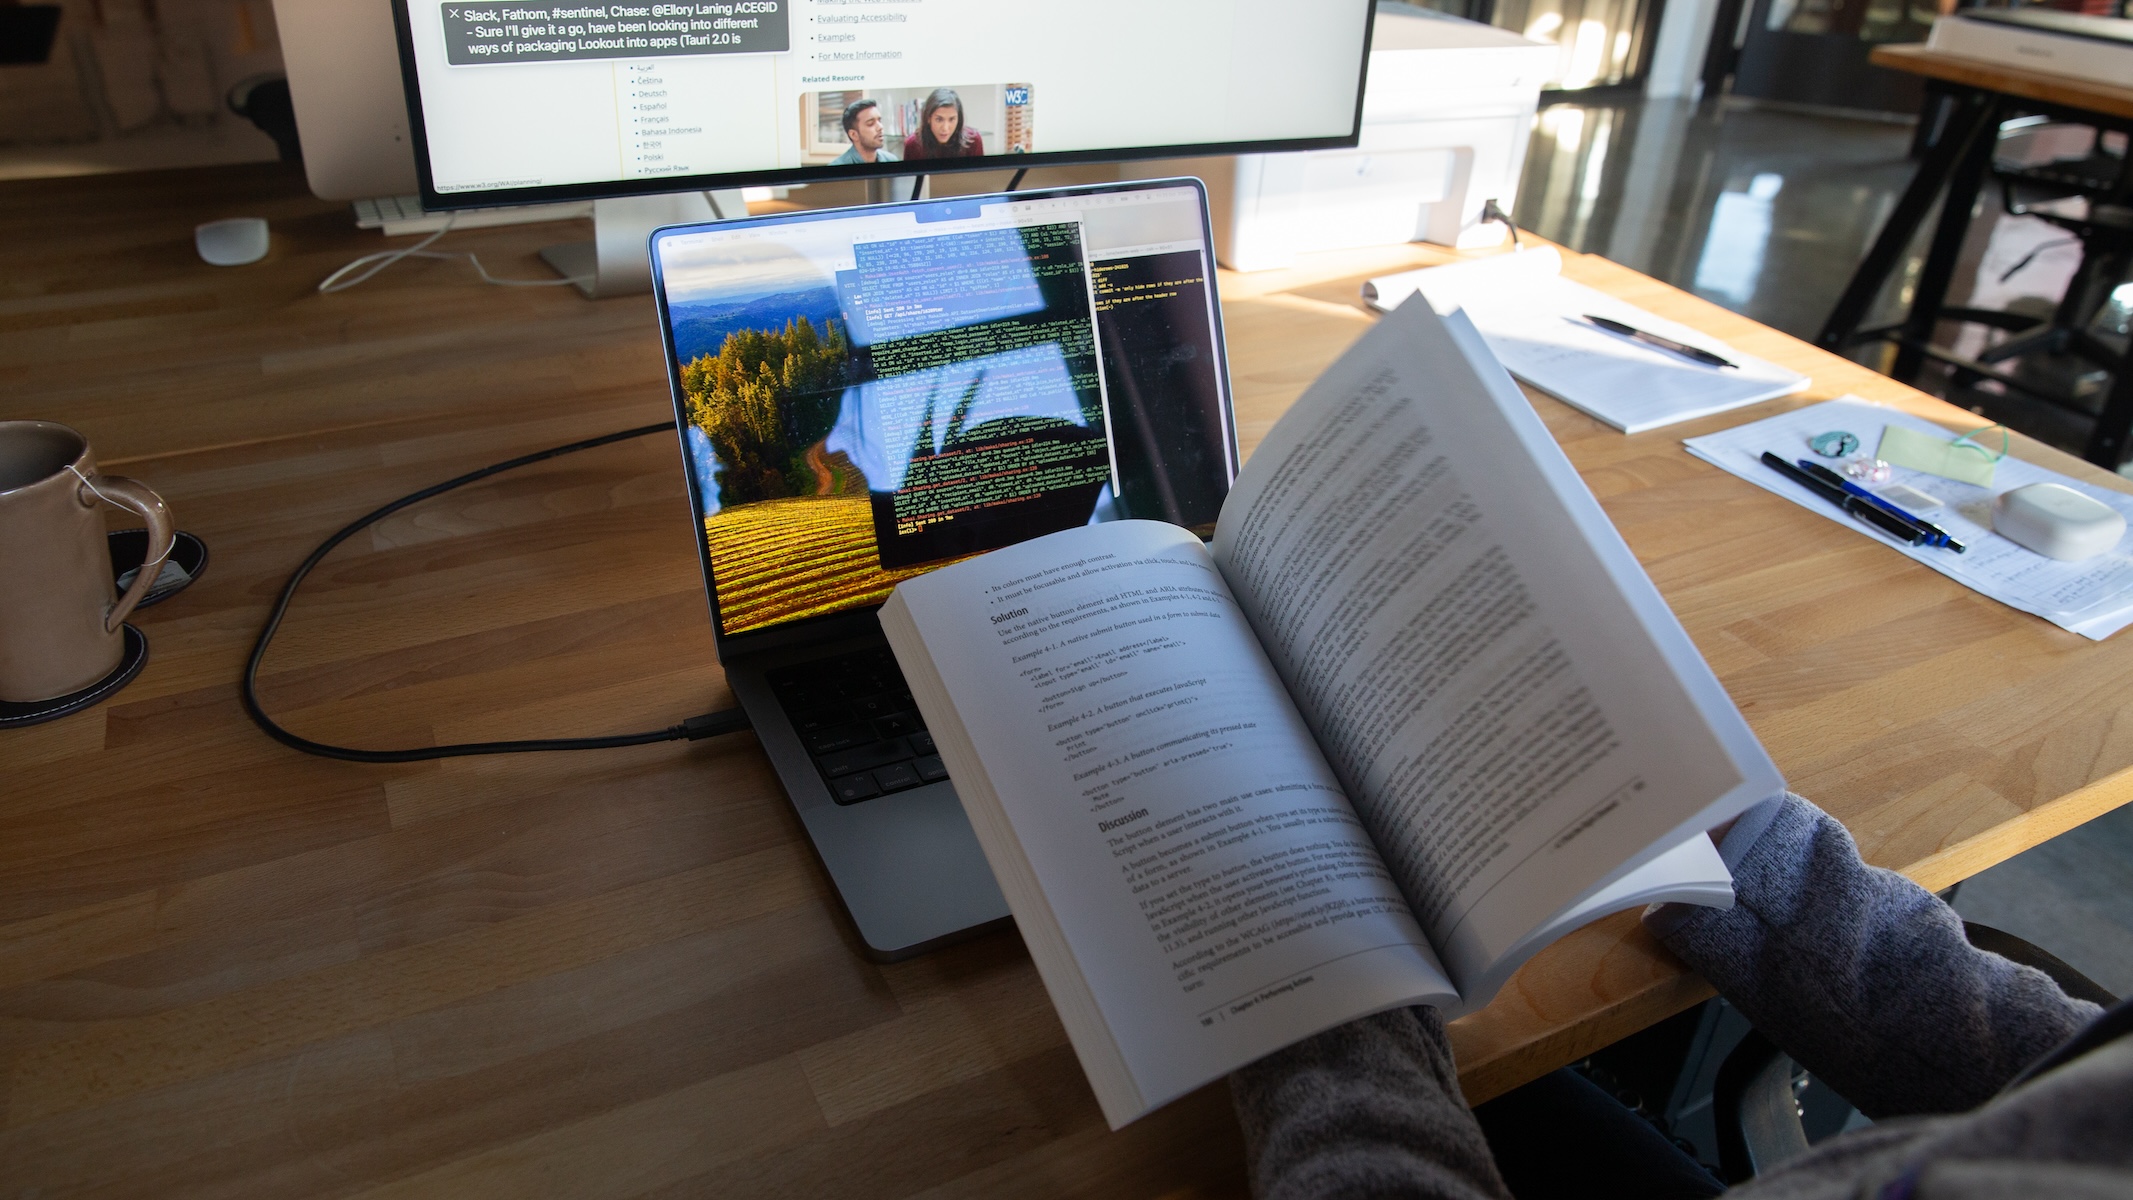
{"x": 1603, "y": 43}
{"x": 1814, "y": 52}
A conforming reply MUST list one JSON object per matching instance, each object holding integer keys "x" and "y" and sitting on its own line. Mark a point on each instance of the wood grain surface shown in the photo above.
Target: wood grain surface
{"x": 2007, "y": 79}
{"x": 230, "y": 969}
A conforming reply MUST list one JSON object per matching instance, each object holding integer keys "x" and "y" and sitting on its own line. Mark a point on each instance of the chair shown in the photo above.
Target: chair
{"x": 2106, "y": 236}
{"x": 1755, "y": 1100}
{"x": 1960, "y": 131}
{"x": 2105, "y": 230}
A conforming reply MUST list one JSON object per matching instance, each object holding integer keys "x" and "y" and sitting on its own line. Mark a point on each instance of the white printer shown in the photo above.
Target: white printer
{"x": 2097, "y": 49}
{"x": 1446, "y": 117}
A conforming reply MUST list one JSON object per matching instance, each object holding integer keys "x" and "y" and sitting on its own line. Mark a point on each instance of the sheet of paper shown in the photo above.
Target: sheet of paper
{"x": 2093, "y": 598}
{"x": 1534, "y": 322}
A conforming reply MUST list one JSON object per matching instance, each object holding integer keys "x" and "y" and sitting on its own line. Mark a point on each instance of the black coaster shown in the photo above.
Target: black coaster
{"x": 37, "y": 711}
{"x": 130, "y": 546}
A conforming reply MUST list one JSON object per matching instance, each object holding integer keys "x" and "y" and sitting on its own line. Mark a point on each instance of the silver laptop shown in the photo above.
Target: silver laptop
{"x": 867, "y": 394}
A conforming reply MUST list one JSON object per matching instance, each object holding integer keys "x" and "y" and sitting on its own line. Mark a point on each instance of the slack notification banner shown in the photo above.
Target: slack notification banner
{"x": 475, "y": 34}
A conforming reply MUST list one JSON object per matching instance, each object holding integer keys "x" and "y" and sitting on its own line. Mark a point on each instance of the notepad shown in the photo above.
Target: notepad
{"x": 1533, "y": 320}
{"x": 1936, "y": 454}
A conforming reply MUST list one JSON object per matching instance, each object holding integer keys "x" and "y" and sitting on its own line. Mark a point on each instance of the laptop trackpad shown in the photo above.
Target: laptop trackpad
{"x": 908, "y": 867}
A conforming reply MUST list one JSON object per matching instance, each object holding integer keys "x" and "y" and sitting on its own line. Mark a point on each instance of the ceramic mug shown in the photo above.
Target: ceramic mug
{"x": 60, "y": 613}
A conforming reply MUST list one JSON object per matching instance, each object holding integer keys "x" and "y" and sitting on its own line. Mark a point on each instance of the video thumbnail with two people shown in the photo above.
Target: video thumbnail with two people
{"x": 844, "y": 128}
{"x": 864, "y": 408}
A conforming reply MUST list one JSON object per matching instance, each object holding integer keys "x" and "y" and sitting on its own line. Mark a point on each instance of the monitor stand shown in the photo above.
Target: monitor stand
{"x": 617, "y": 261}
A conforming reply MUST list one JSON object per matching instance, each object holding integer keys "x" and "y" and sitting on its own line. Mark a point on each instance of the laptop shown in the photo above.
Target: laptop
{"x": 867, "y": 394}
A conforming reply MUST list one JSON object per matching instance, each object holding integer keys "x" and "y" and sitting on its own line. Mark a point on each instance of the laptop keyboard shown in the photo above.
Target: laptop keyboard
{"x": 855, "y": 717}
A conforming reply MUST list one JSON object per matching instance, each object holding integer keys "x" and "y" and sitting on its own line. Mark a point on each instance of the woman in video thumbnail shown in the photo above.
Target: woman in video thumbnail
{"x": 941, "y": 132}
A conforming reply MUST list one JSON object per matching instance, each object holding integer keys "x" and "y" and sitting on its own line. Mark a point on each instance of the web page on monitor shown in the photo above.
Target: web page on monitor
{"x": 535, "y": 94}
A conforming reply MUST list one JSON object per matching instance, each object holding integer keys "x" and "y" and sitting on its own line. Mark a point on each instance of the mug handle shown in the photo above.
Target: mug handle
{"x": 162, "y": 534}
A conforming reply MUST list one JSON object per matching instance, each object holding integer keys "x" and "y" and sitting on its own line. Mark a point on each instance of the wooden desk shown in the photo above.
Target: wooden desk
{"x": 2007, "y": 79}
{"x": 1966, "y": 102}
{"x": 226, "y": 968}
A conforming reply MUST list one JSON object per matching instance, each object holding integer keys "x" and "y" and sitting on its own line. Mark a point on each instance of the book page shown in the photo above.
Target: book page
{"x": 1517, "y": 715}
{"x": 1190, "y": 877}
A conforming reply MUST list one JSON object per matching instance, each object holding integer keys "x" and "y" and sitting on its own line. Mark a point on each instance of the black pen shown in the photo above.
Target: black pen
{"x": 1935, "y": 535}
{"x": 1693, "y": 353}
{"x": 1873, "y": 514}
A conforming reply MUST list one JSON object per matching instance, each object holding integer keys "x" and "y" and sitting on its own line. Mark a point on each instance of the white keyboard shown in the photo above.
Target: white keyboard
{"x": 398, "y": 215}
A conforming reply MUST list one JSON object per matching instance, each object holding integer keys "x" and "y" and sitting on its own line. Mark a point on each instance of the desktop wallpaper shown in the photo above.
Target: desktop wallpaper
{"x": 788, "y": 520}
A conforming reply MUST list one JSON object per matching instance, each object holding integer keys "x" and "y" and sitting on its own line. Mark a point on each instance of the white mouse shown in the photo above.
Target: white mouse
{"x": 2057, "y": 521}
{"x": 231, "y": 243}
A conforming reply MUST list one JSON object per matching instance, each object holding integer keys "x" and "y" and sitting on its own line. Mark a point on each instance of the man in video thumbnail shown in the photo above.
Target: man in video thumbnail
{"x": 862, "y": 128}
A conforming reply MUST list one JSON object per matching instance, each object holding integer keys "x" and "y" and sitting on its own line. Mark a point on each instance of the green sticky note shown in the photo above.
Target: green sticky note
{"x": 1935, "y": 454}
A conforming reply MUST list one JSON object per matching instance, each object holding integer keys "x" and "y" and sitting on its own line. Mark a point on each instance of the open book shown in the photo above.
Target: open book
{"x": 1417, "y": 713}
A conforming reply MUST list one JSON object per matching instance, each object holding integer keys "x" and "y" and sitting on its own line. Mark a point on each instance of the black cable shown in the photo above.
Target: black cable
{"x": 2031, "y": 257}
{"x": 707, "y": 725}
{"x": 1016, "y": 182}
{"x": 918, "y": 184}
{"x": 1490, "y": 212}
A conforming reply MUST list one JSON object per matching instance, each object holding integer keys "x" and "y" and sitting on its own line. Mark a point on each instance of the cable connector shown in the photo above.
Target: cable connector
{"x": 1490, "y": 211}
{"x": 732, "y": 720}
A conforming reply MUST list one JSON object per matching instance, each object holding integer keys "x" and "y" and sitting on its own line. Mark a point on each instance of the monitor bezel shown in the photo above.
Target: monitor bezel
{"x": 862, "y": 619}
{"x": 432, "y": 199}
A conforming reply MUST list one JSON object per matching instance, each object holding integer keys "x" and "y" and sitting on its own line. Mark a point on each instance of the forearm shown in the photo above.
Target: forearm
{"x": 1367, "y": 1108}
{"x": 1862, "y": 976}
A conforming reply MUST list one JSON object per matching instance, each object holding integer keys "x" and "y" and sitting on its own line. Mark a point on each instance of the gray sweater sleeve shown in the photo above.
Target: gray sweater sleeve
{"x": 1370, "y": 1108}
{"x": 1862, "y": 976}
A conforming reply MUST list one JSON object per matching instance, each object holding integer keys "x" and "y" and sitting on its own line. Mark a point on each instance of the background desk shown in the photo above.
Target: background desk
{"x": 226, "y": 968}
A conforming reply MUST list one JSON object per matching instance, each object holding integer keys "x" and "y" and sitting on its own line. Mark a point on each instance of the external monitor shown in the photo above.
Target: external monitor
{"x": 522, "y": 101}
{"x": 351, "y": 112}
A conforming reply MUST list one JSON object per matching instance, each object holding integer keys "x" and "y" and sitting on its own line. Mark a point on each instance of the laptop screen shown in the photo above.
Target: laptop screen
{"x": 867, "y": 394}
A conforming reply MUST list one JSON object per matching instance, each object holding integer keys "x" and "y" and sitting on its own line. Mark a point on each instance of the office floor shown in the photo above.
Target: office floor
{"x": 1767, "y": 213}
{"x": 1763, "y": 212}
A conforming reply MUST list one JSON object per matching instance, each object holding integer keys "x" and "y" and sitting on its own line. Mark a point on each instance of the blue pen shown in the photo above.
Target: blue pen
{"x": 1934, "y": 534}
